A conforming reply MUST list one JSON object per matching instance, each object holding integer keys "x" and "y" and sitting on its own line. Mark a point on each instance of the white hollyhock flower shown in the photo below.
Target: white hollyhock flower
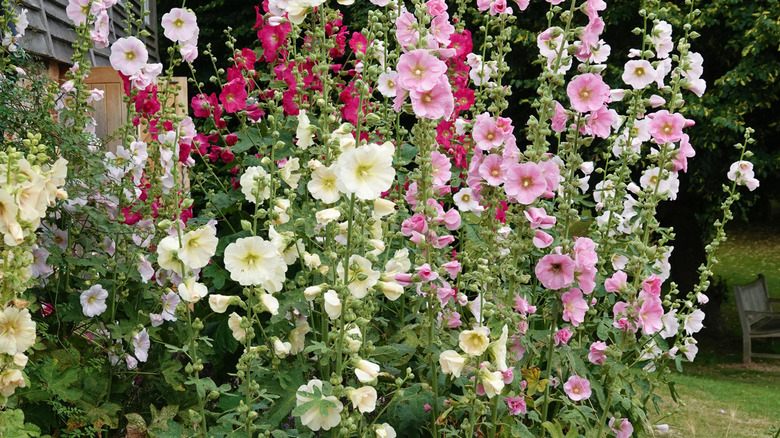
{"x": 180, "y": 25}
{"x": 234, "y": 322}
{"x": 332, "y": 304}
{"x": 498, "y": 350}
{"x": 366, "y": 171}
{"x": 288, "y": 173}
{"x": 17, "y": 330}
{"x": 255, "y": 261}
{"x": 298, "y": 337}
{"x": 474, "y": 342}
{"x": 385, "y": 430}
{"x": 327, "y": 215}
{"x": 219, "y": 303}
{"x": 198, "y": 246}
{"x": 93, "y": 301}
{"x": 361, "y": 277}
{"x": 364, "y": 399}
{"x": 251, "y": 182}
{"x": 281, "y": 349}
{"x": 323, "y": 184}
{"x": 451, "y": 362}
{"x": 141, "y": 344}
{"x": 191, "y": 291}
{"x": 324, "y": 416}
{"x": 165, "y": 254}
{"x": 492, "y": 381}
{"x": 305, "y": 131}
{"x": 366, "y": 371}
{"x": 270, "y": 303}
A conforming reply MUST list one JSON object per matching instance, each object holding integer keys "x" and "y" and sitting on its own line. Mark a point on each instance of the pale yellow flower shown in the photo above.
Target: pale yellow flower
{"x": 17, "y": 330}
{"x": 474, "y": 342}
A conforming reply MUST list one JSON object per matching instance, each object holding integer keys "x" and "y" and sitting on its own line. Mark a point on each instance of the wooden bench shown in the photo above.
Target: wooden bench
{"x": 756, "y": 315}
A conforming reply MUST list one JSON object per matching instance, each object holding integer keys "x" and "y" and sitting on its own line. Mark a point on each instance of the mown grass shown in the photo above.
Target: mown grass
{"x": 723, "y": 397}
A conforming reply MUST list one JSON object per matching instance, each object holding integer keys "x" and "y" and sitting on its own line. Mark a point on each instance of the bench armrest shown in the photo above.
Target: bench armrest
{"x": 769, "y": 314}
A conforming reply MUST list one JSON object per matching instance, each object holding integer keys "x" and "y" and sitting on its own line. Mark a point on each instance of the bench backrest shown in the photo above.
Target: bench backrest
{"x": 752, "y": 297}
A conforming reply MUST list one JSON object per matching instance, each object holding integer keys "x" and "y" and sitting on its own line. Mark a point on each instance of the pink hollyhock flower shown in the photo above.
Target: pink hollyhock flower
{"x": 655, "y": 101}
{"x": 562, "y": 336}
{"x": 453, "y": 268}
{"x": 597, "y": 354}
{"x": 585, "y": 251}
{"x": 406, "y": 29}
{"x": 666, "y": 127}
{"x": 451, "y": 319}
{"x": 233, "y": 96}
{"x": 128, "y": 55}
{"x": 542, "y": 239}
{"x": 491, "y": 171}
{"x": 587, "y": 92}
{"x": 444, "y": 294}
{"x": 639, "y": 73}
{"x": 680, "y": 156}
{"x": 621, "y": 427}
{"x": 622, "y": 319}
{"x": 559, "y": 118}
{"x": 574, "y": 307}
{"x": 436, "y": 7}
{"x": 77, "y": 10}
{"x": 617, "y": 282}
{"x": 694, "y": 322}
{"x": 426, "y": 273}
{"x": 486, "y": 133}
{"x": 652, "y": 286}
{"x": 499, "y": 7}
{"x": 552, "y": 172}
{"x": 441, "y": 169}
{"x": 483, "y": 5}
{"x": 179, "y": 25}
{"x": 555, "y": 271}
{"x": 577, "y": 388}
{"x": 441, "y": 29}
{"x": 525, "y": 182}
{"x": 592, "y": 8}
{"x": 508, "y": 375}
{"x": 415, "y": 223}
{"x": 522, "y": 306}
{"x": 435, "y": 103}
{"x": 650, "y": 313}
{"x": 516, "y": 405}
{"x": 452, "y": 219}
{"x": 538, "y": 218}
{"x": 600, "y": 122}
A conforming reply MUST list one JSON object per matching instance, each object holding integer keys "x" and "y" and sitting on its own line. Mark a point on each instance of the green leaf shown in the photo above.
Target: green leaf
{"x": 555, "y": 429}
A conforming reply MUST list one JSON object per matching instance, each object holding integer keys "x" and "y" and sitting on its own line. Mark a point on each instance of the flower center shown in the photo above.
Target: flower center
{"x": 129, "y": 55}
{"x": 585, "y": 94}
{"x": 178, "y": 23}
{"x": 526, "y": 182}
{"x": 639, "y": 72}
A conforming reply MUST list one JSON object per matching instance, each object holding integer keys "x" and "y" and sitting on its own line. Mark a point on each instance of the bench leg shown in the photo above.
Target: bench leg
{"x": 746, "y": 350}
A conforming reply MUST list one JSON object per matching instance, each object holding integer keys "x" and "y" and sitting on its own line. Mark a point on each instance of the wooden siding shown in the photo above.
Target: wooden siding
{"x": 51, "y": 34}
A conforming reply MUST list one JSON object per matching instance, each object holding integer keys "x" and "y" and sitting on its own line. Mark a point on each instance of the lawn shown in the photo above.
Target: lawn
{"x": 722, "y": 396}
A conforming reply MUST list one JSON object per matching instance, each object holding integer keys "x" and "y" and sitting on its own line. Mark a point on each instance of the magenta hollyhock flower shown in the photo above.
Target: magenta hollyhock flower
{"x": 597, "y": 354}
{"x": 358, "y": 42}
{"x": 420, "y": 71}
{"x": 666, "y": 127}
{"x": 516, "y": 405}
{"x": 486, "y": 134}
{"x": 435, "y": 103}
{"x": 555, "y": 271}
{"x": 621, "y": 427}
{"x": 491, "y": 171}
{"x": 587, "y": 92}
{"x": 233, "y": 96}
{"x": 525, "y": 182}
{"x": 574, "y": 307}
{"x": 577, "y": 388}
